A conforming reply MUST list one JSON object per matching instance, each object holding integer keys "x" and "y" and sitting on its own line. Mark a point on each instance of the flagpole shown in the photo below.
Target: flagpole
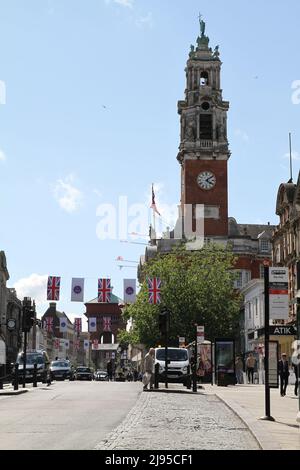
{"x": 154, "y": 224}
{"x": 153, "y": 209}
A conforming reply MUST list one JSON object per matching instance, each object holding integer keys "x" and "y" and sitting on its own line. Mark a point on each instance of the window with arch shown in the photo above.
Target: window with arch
{"x": 204, "y": 79}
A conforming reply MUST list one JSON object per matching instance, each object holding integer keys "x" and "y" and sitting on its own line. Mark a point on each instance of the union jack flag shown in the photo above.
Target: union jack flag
{"x": 154, "y": 290}
{"x": 48, "y": 324}
{"x": 53, "y": 288}
{"x": 106, "y": 323}
{"x": 104, "y": 291}
{"x": 77, "y": 325}
{"x": 56, "y": 343}
{"x": 76, "y": 345}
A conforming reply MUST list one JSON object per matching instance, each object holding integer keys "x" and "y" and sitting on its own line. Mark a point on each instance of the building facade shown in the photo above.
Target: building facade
{"x": 10, "y": 317}
{"x": 203, "y": 157}
{"x": 286, "y": 252}
{"x": 108, "y": 322}
{"x": 57, "y": 343}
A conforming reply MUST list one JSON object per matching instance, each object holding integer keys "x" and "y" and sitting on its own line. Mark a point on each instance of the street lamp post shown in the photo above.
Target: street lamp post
{"x": 267, "y": 416}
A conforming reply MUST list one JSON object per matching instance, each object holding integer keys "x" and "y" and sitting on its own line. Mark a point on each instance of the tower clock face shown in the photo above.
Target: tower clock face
{"x": 206, "y": 180}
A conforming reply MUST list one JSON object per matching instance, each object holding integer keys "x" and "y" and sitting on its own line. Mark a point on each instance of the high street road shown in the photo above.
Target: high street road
{"x": 66, "y": 415}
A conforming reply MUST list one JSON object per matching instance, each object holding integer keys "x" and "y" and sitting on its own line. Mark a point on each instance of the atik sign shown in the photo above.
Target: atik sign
{"x": 279, "y": 293}
{"x": 200, "y": 334}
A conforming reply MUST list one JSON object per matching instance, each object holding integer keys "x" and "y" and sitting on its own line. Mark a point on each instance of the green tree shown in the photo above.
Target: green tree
{"x": 197, "y": 287}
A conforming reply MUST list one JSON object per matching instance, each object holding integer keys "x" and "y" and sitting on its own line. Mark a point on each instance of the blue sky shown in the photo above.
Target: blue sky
{"x": 90, "y": 114}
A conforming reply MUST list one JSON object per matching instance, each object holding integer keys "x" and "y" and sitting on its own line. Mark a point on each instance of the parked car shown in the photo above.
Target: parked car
{"x": 61, "y": 369}
{"x": 83, "y": 373}
{"x": 38, "y": 357}
{"x": 100, "y": 375}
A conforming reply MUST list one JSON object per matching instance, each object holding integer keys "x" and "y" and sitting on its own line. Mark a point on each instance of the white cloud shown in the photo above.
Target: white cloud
{"x": 2, "y": 156}
{"x": 123, "y": 3}
{"x": 295, "y": 155}
{"x": 34, "y": 286}
{"x": 67, "y": 195}
{"x": 145, "y": 21}
{"x": 242, "y": 134}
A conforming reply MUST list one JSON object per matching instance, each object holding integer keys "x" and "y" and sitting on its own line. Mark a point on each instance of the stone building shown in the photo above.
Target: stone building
{"x": 57, "y": 343}
{"x": 10, "y": 316}
{"x": 14, "y": 335}
{"x": 286, "y": 250}
{"x": 286, "y": 237}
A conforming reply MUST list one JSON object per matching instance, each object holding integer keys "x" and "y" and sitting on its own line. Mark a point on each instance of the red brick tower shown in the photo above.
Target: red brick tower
{"x": 204, "y": 152}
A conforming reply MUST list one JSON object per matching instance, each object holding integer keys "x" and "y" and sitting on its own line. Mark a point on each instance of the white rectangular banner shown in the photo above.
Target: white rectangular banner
{"x": 63, "y": 327}
{"x": 86, "y": 344}
{"x": 200, "y": 334}
{"x": 95, "y": 345}
{"x": 77, "y": 293}
{"x": 66, "y": 344}
{"x": 279, "y": 293}
{"x": 129, "y": 291}
{"x": 92, "y": 324}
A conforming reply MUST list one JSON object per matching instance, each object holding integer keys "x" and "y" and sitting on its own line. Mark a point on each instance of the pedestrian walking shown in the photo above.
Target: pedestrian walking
{"x": 296, "y": 370}
{"x": 135, "y": 375}
{"x": 148, "y": 369}
{"x": 250, "y": 365}
{"x": 239, "y": 369}
{"x": 283, "y": 370}
{"x": 109, "y": 368}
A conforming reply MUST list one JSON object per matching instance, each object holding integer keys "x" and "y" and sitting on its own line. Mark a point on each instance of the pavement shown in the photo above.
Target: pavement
{"x": 248, "y": 402}
{"x": 8, "y": 389}
{"x": 214, "y": 418}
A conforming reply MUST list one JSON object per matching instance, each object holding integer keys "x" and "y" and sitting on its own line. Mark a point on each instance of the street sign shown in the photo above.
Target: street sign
{"x": 11, "y": 324}
{"x": 181, "y": 341}
{"x": 278, "y": 293}
{"x": 2, "y": 352}
{"x": 273, "y": 364}
{"x": 277, "y": 330}
{"x": 200, "y": 334}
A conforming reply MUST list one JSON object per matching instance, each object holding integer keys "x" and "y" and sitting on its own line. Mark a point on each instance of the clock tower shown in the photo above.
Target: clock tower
{"x": 204, "y": 150}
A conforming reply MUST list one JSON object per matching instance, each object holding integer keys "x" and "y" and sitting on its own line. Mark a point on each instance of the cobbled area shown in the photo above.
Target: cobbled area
{"x": 175, "y": 421}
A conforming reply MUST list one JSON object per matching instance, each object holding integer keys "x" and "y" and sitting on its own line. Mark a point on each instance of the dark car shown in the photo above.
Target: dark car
{"x": 61, "y": 370}
{"x": 83, "y": 373}
{"x": 41, "y": 359}
{"x": 101, "y": 375}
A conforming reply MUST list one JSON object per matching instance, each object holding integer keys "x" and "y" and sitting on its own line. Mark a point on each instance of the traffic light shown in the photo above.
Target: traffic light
{"x": 28, "y": 315}
{"x": 163, "y": 321}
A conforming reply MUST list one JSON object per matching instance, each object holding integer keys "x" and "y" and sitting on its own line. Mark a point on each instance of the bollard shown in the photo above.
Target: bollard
{"x": 35, "y": 375}
{"x": 189, "y": 381}
{"x": 156, "y": 376}
{"x": 16, "y": 381}
{"x": 1, "y": 377}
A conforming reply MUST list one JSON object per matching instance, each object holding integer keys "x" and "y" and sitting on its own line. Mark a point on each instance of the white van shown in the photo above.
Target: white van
{"x": 178, "y": 365}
